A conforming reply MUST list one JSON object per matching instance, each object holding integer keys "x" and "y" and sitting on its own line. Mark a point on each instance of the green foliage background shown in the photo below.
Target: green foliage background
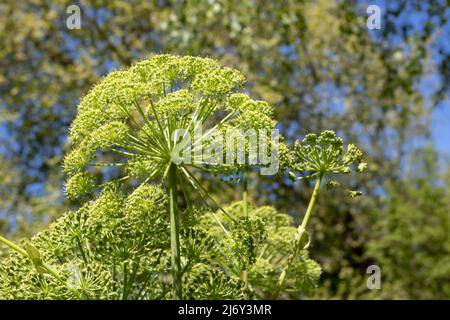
{"x": 314, "y": 61}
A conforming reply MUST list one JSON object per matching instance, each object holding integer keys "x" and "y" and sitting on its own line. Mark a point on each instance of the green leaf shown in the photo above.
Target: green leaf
{"x": 33, "y": 254}
{"x": 35, "y": 257}
{"x": 303, "y": 239}
{"x": 40, "y": 269}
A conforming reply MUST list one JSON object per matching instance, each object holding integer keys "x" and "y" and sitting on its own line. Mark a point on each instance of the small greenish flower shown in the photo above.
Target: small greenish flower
{"x": 79, "y": 184}
{"x": 246, "y": 235}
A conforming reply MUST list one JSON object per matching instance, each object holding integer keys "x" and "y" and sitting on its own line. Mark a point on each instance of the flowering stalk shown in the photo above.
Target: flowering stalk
{"x": 312, "y": 201}
{"x": 174, "y": 233}
{"x": 13, "y": 246}
{"x": 245, "y": 192}
{"x": 319, "y": 155}
{"x": 299, "y": 237}
{"x": 245, "y": 207}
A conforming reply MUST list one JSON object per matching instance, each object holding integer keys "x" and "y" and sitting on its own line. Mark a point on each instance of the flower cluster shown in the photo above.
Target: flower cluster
{"x": 117, "y": 247}
{"x": 322, "y": 155}
{"x": 135, "y": 114}
{"x": 259, "y": 242}
{"x": 93, "y": 249}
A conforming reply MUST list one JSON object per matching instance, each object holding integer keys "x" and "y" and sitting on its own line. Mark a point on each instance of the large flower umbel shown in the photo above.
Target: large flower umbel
{"x": 135, "y": 114}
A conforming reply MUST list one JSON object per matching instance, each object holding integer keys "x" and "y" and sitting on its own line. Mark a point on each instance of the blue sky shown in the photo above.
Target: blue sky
{"x": 441, "y": 129}
{"x": 440, "y": 120}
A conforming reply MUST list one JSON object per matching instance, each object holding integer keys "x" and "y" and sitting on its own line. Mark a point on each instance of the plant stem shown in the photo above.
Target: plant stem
{"x": 300, "y": 232}
{"x": 52, "y": 271}
{"x": 18, "y": 249}
{"x": 13, "y": 246}
{"x": 174, "y": 233}
{"x": 312, "y": 201}
{"x": 245, "y": 208}
{"x": 245, "y": 192}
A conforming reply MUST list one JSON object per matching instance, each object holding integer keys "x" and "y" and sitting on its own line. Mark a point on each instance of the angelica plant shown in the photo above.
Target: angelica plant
{"x": 140, "y": 114}
{"x": 153, "y": 123}
{"x": 318, "y": 157}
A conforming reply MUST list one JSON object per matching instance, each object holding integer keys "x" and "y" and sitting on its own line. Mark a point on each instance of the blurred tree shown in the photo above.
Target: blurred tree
{"x": 411, "y": 237}
{"x": 315, "y": 61}
{"x": 407, "y": 236}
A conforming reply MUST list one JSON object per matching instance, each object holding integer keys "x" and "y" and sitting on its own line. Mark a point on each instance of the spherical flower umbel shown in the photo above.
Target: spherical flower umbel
{"x": 323, "y": 154}
{"x": 135, "y": 113}
{"x": 79, "y": 184}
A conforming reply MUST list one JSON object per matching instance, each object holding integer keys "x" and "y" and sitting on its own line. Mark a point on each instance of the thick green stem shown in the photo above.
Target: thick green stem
{"x": 245, "y": 192}
{"x": 245, "y": 208}
{"x": 312, "y": 201}
{"x": 299, "y": 235}
{"x": 174, "y": 233}
{"x": 13, "y": 246}
{"x": 49, "y": 269}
